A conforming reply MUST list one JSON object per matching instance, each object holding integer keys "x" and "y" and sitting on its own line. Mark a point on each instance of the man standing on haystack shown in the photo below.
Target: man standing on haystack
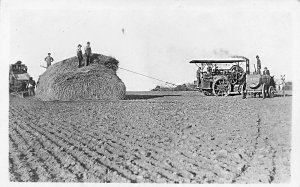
{"x": 49, "y": 59}
{"x": 79, "y": 56}
{"x": 88, "y": 52}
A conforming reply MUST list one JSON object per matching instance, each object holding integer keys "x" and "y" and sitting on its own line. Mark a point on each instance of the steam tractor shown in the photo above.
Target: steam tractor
{"x": 232, "y": 78}
{"x": 222, "y": 76}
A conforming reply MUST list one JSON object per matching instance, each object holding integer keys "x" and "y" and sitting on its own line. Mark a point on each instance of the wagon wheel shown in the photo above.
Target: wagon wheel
{"x": 221, "y": 87}
{"x": 263, "y": 91}
{"x": 271, "y": 91}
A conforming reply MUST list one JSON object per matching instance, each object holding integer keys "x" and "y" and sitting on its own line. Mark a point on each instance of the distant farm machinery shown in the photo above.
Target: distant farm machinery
{"x": 232, "y": 78}
{"x": 18, "y": 79}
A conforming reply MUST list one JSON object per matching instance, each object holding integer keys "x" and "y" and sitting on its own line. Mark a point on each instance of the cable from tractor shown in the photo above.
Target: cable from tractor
{"x": 148, "y": 76}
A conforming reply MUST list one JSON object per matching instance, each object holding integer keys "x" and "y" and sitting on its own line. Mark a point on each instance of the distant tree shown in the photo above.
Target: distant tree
{"x": 288, "y": 85}
{"x": 157, "y": 88}
{"x": 182, "y": 87}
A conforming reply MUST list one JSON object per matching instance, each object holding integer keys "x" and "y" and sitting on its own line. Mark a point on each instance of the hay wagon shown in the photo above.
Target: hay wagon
{"x": 261, "y": 85}
{"x": 18, "y": 79}
{"x": 221, "y": 77}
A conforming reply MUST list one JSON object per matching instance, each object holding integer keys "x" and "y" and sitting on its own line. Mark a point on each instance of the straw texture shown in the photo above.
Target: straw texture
{"x": 66, "y": 82}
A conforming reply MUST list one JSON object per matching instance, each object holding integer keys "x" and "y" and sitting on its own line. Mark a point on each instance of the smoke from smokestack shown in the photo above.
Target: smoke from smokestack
{"x": 217, "y": 54}
{"x": 222, "y": 53}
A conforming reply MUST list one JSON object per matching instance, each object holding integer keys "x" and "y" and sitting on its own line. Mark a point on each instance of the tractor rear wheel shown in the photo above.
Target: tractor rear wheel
{"x": 221, "y": 87}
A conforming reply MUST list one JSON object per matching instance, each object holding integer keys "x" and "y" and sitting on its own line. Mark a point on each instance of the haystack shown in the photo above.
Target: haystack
{"x": 64, "y": 81}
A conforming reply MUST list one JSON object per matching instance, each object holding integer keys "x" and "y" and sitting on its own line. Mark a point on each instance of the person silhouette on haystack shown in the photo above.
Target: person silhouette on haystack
{"x": 88, "y": 53}
{"x": 79, "y": 56}
{"x": 49, "y": 60}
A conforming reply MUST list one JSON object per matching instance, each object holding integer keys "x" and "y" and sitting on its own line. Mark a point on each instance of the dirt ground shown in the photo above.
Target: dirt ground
{"x": 152, "y": 137}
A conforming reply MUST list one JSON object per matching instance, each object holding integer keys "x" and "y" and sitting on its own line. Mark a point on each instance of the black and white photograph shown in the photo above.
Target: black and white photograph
{"x": 149, "y": 92}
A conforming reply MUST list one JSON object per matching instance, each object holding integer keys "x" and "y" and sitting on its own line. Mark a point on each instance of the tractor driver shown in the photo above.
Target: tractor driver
{"x": 216, "y": 70}
{"x": 209, "y": 70}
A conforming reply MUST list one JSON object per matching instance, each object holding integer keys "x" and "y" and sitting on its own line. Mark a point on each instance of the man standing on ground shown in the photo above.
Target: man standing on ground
{"x": 49, "y": 59}
{"x": 31, "y": 87}
{"x": 88, "y": 52}
{"x": 258, "y": 64}
{"x": 79, "y": 56}
{"x": 198, "y": 74}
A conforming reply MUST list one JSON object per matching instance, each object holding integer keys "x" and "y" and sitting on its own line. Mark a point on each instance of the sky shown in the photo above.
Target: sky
{"x": 159, "y": 39}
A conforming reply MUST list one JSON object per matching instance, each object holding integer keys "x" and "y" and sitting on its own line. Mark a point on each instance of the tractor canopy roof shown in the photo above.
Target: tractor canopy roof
{"x": 232, "y": 59}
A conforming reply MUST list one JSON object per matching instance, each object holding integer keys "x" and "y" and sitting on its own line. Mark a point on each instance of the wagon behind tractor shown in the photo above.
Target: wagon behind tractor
{"x": 259, "y": 85}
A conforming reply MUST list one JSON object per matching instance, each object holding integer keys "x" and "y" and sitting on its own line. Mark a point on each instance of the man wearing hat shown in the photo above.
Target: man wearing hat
{"x": 258, "y": 64}
{"x": 49, "y": 59}
{"x": 88, "y": 52}
{"x": 266, "y": 71}
{"x": 79, "y": 56}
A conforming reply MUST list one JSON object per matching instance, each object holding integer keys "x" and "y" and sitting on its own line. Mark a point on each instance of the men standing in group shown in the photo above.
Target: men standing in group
{"x": 79, "y": 56}
{"x": 88, "y": 52}
{"x": 49, "y": 59}
{"x": 258, "y": 64}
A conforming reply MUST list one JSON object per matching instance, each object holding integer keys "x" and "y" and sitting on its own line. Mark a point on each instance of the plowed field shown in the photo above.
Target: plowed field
{"x": 182, "y": 137}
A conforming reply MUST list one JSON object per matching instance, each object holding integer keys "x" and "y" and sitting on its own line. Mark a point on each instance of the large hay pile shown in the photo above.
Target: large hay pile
{"x": 65, "y": 81}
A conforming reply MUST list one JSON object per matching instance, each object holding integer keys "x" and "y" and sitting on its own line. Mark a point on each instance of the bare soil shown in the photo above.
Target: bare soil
{"x": 152, "y": 137}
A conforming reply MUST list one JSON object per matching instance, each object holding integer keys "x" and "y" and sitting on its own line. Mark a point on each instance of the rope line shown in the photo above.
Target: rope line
{"x": 148, "y": 76}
